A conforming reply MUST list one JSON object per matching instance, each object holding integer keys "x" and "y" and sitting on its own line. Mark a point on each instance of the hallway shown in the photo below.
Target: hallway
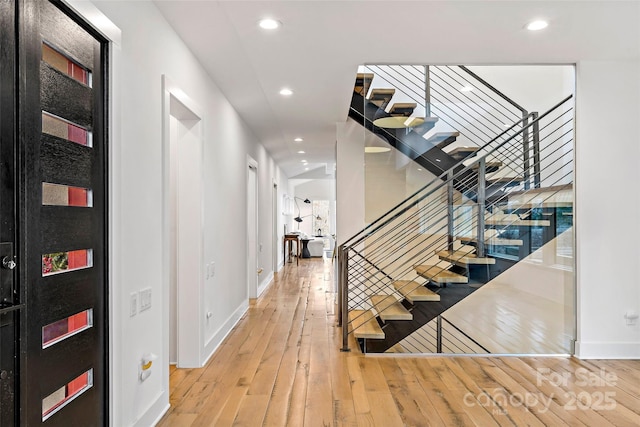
{"x": 281, "y": 366}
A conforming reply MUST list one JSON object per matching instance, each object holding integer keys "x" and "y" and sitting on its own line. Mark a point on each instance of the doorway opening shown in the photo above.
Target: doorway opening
{"x": 183, "y": 227}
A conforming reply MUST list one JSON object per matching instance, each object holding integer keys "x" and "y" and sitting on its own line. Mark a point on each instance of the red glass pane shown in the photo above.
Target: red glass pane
{"x": 65, "y": 394}
{"x": 63, "y": 328}
{"x": 63, "y": 64}
{"x": 61, "y": 262}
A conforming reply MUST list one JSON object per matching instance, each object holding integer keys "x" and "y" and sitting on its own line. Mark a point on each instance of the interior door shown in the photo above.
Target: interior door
{"x": 62, "y": 212}
{"x": 10, "y": 302}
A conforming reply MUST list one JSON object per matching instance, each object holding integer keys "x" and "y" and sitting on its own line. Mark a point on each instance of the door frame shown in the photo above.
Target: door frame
{"x": 275, "y": 224}
{"x": 252, "y": 286}
{"x": 187, "y": 320}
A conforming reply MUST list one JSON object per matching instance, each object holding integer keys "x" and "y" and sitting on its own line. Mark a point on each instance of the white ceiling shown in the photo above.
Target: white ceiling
{"x": 321, "y": 43}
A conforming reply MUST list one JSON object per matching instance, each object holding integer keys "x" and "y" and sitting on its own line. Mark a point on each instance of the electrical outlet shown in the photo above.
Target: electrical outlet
{"x": 133, "y": 304}
{"x": 145, "y": 299}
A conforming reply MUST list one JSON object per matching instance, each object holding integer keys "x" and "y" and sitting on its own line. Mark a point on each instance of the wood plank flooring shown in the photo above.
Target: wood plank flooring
{"x": 281, "y": 366}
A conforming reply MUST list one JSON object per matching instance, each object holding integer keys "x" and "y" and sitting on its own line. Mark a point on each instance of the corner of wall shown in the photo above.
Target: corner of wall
{"x": 218, "y": 337}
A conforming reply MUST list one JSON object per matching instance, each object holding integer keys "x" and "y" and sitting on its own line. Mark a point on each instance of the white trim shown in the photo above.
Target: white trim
{"x": 227, "y": 327}
{"x": 97, "y": 19}
{"x": 252, "y": 164}
{"x": 607, "y": 350}
{"x": 159, "y": 406}
{"x": 264, "y": 285}
{"x": 171, "y": 91}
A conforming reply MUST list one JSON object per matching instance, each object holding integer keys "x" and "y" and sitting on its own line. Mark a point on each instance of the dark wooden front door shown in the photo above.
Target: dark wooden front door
{"x": 53, "y": 218}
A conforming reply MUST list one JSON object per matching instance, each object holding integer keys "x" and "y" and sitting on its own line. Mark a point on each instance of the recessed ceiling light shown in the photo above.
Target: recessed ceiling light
{"x": 306, "y": 169}
{"x": 420, "y": 170}
{"x": 269, "y": 24}
{"x": 438, "y": 160}
{"x": 300, "y": 152}
{"x": 537, "y": 25}
{"x": 303, "y": 161}
{"x": 466, "y": 89}
{"x": 298, "y": 139}
{"x": 286, "y": 92}
{"x": 376, "y": 149}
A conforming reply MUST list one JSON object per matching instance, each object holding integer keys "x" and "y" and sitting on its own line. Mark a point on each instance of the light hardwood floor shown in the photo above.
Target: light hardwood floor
{"x": 281, "y": 366}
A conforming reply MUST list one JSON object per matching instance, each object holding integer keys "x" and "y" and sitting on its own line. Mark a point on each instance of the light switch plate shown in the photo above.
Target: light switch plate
{"x": 145, "y": 299}
{"x": 133, "y": 304}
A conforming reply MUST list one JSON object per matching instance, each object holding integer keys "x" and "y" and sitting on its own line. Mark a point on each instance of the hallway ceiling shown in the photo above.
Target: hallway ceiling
{"x": 317, "y": 50}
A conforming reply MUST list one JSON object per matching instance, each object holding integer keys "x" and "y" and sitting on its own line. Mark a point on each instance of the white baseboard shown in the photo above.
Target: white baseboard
{"x": 214, "y": 342}
{"x": 265, "y": 284}
{"x": 155, "y": 412}
{"x": 608, "y": 350}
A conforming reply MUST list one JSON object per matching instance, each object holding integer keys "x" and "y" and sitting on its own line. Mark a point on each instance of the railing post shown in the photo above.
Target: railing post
{"x": 427, "y": 91}
{"x": 482, "y": 189}
{"x": 536, "y": 150}
{"x": 525, "y": 149}
{"x": 450, "y": 228}
{"x": 439, "y": 334}
{"x": 343, "y": 266}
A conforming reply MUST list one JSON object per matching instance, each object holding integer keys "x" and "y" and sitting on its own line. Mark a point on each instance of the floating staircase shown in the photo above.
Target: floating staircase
{"x": 396, "y": 275}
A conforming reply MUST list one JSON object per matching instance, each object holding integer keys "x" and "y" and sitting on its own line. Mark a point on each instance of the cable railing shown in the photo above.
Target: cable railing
{"x": 442, "y": 336}
{"x": 459, "y": 203}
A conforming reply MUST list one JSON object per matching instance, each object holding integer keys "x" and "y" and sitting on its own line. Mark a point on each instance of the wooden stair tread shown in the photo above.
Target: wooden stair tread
{"x": 442, "y": 139}
{"x": 464, "y": 258}
{"x": 402, "y": 109}
{"x": 363, "y": 82}
{"x": 414, "y": 291}
{"x": 491, "y": 166}
{"x": 509, "y": 180}
{"x": 495, "y": 241}
{"x": 462, "y": 151}
{"x": 364, "y": 325}
{"x": 378, "y": 94}
{"x": 381, "y": 97}
{"x": 518, "y": 222}
{"x": 389, "y": 308}
{"x": 439, "y": 275}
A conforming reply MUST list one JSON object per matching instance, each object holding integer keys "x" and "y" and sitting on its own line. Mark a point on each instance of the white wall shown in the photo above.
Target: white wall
{"x": 149, "y": 48}
{"x": 350, "y": 178}
{"x": 607, "y": 207}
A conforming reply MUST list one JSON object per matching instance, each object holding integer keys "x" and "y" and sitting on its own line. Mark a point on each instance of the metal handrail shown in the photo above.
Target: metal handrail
{"x": 493, "y": 89}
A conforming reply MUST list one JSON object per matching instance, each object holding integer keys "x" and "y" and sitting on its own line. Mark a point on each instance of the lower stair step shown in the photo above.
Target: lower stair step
{"x": 438, "y": 275}
{"x": 404, "y": 109}
{"x": 389, "y": 308}
{"x": 464, "y": 258}
{"x": 364, "y": 325}
{"x": 494, "y": 241}
{"x": 462, "y": 152}
{"x": 414, "y": 291}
